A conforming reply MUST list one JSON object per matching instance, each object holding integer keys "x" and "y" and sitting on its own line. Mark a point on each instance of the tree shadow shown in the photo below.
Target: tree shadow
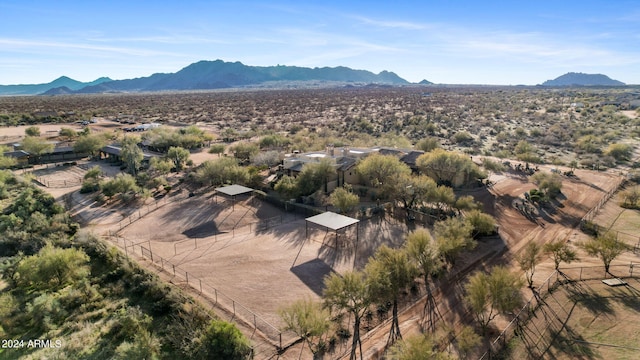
{"x": 312, "y": 274}
{"x": 581, "y": 293}
{"x": 568, "y": 342}
{"x": 206, "y": 229}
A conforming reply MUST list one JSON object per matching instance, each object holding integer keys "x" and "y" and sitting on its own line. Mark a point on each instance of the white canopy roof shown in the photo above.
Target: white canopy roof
{"x": 332, "y": 220}
{"x": 233, "y": 190}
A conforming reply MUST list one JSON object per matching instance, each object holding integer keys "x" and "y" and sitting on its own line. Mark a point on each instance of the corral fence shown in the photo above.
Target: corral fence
{"x": 232, "y": 310}
{"x": 541, "y": 295}
{"x": 589, "y": 216}
{"x": 147, "y": 208}
{"x": 59, "y": 183}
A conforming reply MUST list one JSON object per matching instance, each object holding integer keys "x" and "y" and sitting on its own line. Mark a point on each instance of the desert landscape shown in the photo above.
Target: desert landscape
{"x": 249, "y": 258}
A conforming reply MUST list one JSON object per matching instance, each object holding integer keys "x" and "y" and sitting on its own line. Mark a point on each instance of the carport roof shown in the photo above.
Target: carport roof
{"x": 233, "y": 190}
{"x": 332, "y": 220}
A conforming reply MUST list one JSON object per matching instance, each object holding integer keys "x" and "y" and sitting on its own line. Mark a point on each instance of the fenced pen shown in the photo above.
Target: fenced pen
{"x": 543, "y": 317}
{"x": 59, "y": 183}
{"x": 233, "y": 309}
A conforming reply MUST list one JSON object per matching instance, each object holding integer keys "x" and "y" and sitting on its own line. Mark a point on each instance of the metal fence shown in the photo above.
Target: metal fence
{"x": 541, "y": 298}
{"x": 589, "y": 216}
{"x": 146, "y": 209}
{"x": 53, "y": 183}
{"x": 232, "y": 310}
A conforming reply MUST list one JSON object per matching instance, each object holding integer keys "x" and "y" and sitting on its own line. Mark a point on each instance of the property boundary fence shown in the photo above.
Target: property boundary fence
{"x": 233, "y": 309}
{"x": 556, "y": 279}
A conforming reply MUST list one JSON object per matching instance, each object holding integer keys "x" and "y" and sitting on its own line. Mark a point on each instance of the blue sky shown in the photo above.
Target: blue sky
{"x": 454, "y": 42}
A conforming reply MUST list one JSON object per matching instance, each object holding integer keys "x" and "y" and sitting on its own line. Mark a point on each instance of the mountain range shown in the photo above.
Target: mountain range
{"x": 581, "y": 79}
{"x": 216, "y": 74}
{"x": 219, "y": 74}
{"x": 61, "y": 82}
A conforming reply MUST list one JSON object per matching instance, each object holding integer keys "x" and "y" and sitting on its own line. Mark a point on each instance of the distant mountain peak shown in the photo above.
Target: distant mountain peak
{"x": 218, "y": 74}
{"x": 214, "y": 74}
{"x": 582, "y": 79}
{"x": 64, "y": 84}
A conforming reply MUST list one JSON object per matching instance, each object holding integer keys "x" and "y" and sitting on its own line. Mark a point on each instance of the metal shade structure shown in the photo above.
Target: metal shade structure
{"x": 232, "y": 191}
{"x": 333, "y": 221}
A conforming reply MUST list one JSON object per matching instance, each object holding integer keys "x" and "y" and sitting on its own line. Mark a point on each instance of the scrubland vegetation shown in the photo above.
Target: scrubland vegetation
{"x": 84, "y": 296}
{"x": 60, "y": 283}
{"x": 591, "y": 126}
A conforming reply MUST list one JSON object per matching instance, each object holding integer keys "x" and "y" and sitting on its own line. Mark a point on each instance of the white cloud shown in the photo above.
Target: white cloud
{"x": 406, "y": 25}
{"x": 43, "y": 46}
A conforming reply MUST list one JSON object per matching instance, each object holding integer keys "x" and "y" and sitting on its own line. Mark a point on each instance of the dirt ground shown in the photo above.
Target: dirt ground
{"x": 583, "y": 320}
{"x": 267, "y": 268}
{"x": 580, "y": 194}
{"x": 254, "y": 253}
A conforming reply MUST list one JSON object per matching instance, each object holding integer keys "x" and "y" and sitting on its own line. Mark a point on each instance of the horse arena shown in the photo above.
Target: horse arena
{"x": 251, "y": 257}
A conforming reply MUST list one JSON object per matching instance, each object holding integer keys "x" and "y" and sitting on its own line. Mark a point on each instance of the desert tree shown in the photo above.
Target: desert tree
{"x": 52, "y": 268}
{"x": 222, "y": 340}
{"x": 573, "y": 164}
{"x": 123, "y": 184}
{"x": 630, "y": 197}
{"x": 446, "y": 166}
{"x": 32, "y": 131}
{"x": 287, "y": 187}
{"x": 560, "y": 252}
{"x": 453, "y": 236}
{"x": 36, "y": 147}
{"x": 524, "y": 147}
{"x": 179, "y": 156}
{"x": 68, "y": 133}
{"x": 422, "y": 251}
{"x": 620, "y": 151}
{"x": 273, "y": 141}
{"x": 589, "y": 144}
{"x": 606, "y": 246}
{"x": 482, "y": 223}
{"x": 349, "y": 292}
{"x": 549, "y": 183}
{"x": 90, "y": 144}
{"x": 160, "y": 166}
{"x": 221, "y": 171}
{"x": 427, "y": 144}
{"x": 315, "y": 176}
{"x": 528, "y": 258}
{"x": 443, "y": 197}
{"x": 309, "y": 320}
{"x": 466, "y": 341}
{"x": 491, "y": 294}
{"x": 465, "y": 203}
{"x": 344, "y": 199}
{"x": 131, "y": 154}
{"x": 6, "y": 161}
{"x": 267, "y": 158}
{"x": 217, "y": 149}
{"x": 417, "y": 347}
{"x": 244, "y": 151}
{"x": 388, "y": 273}
{"x": 382, "y": 171}
{"x": 412, "y": 191}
